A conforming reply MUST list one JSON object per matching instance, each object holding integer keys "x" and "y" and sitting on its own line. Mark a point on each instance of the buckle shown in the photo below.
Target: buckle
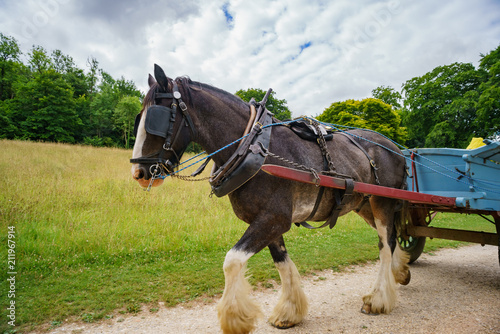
{"x": 183, "y": 105}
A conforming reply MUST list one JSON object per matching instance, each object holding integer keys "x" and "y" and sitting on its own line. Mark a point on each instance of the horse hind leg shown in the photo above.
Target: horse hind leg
{"x": 382, "y": 298}
{"x": 292, "y": 305}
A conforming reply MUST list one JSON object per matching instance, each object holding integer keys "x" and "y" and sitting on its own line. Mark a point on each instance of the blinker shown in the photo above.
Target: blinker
{"x": 158, "y": 120}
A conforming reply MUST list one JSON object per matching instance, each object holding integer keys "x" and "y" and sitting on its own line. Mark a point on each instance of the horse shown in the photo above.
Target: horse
{"x": 213, "y": 118}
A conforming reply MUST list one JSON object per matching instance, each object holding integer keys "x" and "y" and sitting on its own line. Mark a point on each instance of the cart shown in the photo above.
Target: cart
{"x": 439, "y": 180}
{"x": 471, "y": 177}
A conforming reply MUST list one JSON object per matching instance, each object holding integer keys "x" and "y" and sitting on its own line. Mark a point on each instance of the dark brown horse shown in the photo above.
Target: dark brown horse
{"x": 269, "y": 205}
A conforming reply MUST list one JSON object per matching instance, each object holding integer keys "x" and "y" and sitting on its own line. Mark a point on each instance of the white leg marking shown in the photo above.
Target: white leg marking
{"x": 292, "y": 306}
{"x": 383, "y": 296}
{"x": 236, "y": 311}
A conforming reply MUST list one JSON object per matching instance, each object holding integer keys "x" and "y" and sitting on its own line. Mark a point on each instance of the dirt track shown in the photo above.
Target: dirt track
{"x": 452, "y": 291}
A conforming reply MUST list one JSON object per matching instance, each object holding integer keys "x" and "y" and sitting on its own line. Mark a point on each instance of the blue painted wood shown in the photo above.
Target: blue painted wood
{"x": 472, "y": 176}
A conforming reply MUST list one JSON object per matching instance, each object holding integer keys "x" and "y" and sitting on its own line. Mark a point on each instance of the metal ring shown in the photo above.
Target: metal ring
{"x": 155, "y": 172}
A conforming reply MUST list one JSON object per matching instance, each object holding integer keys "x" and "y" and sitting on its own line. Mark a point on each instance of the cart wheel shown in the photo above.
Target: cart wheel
{"x": 413, "y": 246}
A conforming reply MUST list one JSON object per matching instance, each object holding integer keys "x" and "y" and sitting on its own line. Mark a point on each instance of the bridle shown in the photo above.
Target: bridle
{"x": 160, "y": 121}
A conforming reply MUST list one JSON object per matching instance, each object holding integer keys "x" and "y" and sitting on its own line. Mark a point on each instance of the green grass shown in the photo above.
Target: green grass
{"x": 90, "y": 241}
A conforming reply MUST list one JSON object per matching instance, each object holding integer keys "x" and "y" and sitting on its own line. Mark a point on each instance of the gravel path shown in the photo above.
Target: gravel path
{"x": 452, "y": 291}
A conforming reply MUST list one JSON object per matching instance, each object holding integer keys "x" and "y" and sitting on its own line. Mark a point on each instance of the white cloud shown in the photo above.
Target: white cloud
{"x": 311, "y": 52}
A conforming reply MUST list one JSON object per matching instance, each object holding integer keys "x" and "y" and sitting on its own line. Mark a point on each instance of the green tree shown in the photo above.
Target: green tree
{"x": 9, "y": 65}
{"x": 47, "y": 109}
{"x": 443, "y": 101}
{"x": 103, "y": 104}
{"x": 62, "y": 63}
{"x": 368, "y": 114}
{"x": 39, "y": 61}
{"x": 49, "y": 98}
{"x": 273, "y": 104}
{"x": 388, "y": 95}
{"x": 92, "y": 76}
{"x": 8, "y": 128}
{"x": 488, "y": 106}
{"x": 124, "y": 114}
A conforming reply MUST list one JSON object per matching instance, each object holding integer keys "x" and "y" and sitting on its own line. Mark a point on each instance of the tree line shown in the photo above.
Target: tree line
{"x": 47, "y": 97}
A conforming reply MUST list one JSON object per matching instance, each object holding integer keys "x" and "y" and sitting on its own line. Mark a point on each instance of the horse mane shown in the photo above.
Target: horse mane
{"x": 190, "y": 87}
{"x": 199, "y": 86}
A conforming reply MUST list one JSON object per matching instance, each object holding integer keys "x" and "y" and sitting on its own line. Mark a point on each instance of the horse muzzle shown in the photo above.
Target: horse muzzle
{"x": 148, "y": 176}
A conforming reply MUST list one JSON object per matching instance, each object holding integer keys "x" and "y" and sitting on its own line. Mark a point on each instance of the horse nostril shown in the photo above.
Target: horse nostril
{"x": 139, "y": 173}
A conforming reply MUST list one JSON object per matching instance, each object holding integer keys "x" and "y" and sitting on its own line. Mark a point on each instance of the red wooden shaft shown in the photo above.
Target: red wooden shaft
{"x": 360, "y": 187}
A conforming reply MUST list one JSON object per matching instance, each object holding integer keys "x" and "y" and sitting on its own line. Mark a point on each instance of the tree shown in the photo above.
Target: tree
{"x": 46, "y": 109}
{"x": 39, "y": 61}
{"x": 274, "y": 105}
{"x": 62, "y": 63}
{"x": 388, "y": 95}
{"x": 444, "y": 96}
{"x": 8, "y": 129}
{"x": 49, "y": 98}
{"x": 124, "y": 115}
{"x": 110, "y": 92}
{"x": 488, "y": 106}
{"x": 93, "y": 65}
{"x": 367, "y": 114}
{"x": 9, "y": 64}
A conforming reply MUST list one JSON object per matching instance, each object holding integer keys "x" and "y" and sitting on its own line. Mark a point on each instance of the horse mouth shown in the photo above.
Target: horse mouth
{"x": 145, "y": 183}
{"x": 139, "y": 174}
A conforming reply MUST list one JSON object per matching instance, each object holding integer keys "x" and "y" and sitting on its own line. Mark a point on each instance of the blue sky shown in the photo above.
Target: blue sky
{"x": 311, "y": 52}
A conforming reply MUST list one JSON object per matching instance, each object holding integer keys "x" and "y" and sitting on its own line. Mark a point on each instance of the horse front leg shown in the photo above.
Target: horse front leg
{"x": 292, "y": 305}
{"x": 237, "y": 312}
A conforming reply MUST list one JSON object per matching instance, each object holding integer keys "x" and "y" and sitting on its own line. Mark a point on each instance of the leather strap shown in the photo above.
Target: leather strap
{"x": 372, "y": 162}
{"x": 242, "y": 149}
{"x": 341, "y": 199}
{"x": 346, "y": 197}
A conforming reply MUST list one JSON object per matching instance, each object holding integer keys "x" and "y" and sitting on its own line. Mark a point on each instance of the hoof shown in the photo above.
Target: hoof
{"x": 407, "y": 280}
{"x": 282, "y": 324}
{"x": 367, "y": 309}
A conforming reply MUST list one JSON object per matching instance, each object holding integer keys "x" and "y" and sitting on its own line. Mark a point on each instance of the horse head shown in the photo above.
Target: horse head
{"x": 163, "y": 130}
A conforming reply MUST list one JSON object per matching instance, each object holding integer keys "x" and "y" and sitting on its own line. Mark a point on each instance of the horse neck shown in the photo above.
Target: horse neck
{"x": 219, "y": 118}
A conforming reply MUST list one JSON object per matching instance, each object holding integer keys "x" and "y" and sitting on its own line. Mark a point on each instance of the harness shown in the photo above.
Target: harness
{"x": 250, "y": 155}
{"x": 313, "y": 131}
{"x": 160, "y": 122}
{"x": 248, "y": 158}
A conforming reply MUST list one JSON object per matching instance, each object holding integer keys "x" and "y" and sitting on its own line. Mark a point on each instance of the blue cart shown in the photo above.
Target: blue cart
{"x": 470, "y": 177}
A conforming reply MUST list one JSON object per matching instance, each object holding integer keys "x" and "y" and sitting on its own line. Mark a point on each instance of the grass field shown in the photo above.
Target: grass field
{"x": 90, "y": 242}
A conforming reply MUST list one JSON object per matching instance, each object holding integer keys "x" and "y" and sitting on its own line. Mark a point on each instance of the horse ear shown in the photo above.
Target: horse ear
{"x": 161, "y": 78}
{"x": 151, "y": 81}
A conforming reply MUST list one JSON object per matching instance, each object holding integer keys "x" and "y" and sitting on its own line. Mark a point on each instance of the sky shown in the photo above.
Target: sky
{"x": 310, "y": 52}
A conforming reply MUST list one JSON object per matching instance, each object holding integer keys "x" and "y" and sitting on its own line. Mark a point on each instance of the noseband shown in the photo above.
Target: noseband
{"x": 160, "y": 122}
